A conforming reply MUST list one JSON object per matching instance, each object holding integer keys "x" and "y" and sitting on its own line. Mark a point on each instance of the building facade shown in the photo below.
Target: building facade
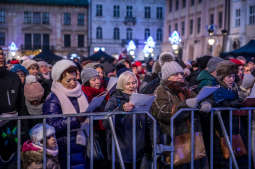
{"x": 242, "y": 23}
{"x": 61, "y": 26}
{"x": 115, "y": 22}
{"x": 191, "y": 18}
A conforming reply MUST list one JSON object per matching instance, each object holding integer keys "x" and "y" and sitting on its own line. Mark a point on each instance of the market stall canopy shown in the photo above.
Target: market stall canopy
{"x": 47, "y": 56}
{"x": 247, "y": 51}
{"x": 101, "y": 56}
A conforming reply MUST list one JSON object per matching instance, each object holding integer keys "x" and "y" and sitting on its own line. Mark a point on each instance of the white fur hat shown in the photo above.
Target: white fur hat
{"x": 29, "y": 62}
{"x": 42, "y": 63}
{"x": 170, "y": 68}
{"x": 59, "y": 67}
{"x": 36, "y": 133}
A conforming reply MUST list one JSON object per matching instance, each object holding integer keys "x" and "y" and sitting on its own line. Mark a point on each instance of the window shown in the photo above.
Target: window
{"x": 183, "y": 3}
{"x": 67, "y": 40}
{"x": 28, "y": 41}
{"x": 211, "y": 19}
{"x": 2, "y": 38}
{"x": 159, "y": 35}
{"x": 170, "y": 5}
{"x": 37, "y": 41}
{"x": 116, "y": 11}
{"x": 183, "y": 28}
{"x": 191, "y": 27}
{"x": 159, "y": 13}
{"x": 129, "y": 11}
{"x": 99, "y": 34}
{"x": 36, "y": 18}
{"x": 27, "y": 17}
{"x": 80, "y": 41}
{"x": 146, "y": 33}
{"x": 2, "y": 16}
{"x": 116, "y": 34}
{"x": 67, "y": 19}
{"x": 252, "y": 15}
{"x": 46, "y": 41}
{"x": 129, "y": 34}
{"x": 192, "y": 2}
{"x": 99, "y": 10}
{"x": 237, "y": 17}
{"x": 169, "y": 29}
{"x": 198, "y": 25}
{"x": 80, "y": 19}
{"x": 147, "y": 12}
{"x": 45, "y": 18}
{"x": 220, "y": 19}
{"x": 176, "y": 5}
{"x": 176, "y": 27}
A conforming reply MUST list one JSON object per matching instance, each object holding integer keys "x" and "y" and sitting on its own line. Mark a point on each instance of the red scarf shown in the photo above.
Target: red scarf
{"x": 91, "y": 92}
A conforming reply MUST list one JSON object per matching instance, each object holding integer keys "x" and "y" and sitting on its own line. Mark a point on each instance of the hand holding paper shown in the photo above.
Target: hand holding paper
{"x": 142, "y": 102}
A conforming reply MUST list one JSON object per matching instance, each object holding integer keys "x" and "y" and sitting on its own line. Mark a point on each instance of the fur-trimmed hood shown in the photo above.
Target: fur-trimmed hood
{"x": 225, "y": 68}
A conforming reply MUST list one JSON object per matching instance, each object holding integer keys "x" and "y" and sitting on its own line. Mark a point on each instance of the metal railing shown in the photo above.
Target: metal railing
{"x": 110, "y": 116}
{"x": 228, "y": 138}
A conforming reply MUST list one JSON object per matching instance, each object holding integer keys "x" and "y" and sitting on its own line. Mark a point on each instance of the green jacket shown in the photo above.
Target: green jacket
{"x": 206, "y": 79}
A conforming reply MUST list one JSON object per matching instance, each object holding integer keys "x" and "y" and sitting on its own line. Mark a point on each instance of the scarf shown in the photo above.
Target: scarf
{"x": 91, "y": 92}
{"x": 34, "y": 109}
{"x": 63, "y": 93}
{"x": 51, "y": 152}
{"x": 179, "y": 89}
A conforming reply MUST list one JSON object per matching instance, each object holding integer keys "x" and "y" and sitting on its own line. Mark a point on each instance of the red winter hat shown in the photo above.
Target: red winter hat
{"x": 236, "y": 61}
{"x": 13, "y": 62}
{"x": 138, "y": 63}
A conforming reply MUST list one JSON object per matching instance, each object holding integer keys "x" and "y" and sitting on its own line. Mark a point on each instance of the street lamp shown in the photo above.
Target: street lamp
{"x": 12, "y": 49}
{"x": 175, "y": 41}
{"x": 131, "y": 48}
{"x": 149, "y": 47}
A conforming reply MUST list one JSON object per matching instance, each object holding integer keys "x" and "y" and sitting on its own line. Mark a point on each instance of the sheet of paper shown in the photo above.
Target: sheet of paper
{"x": 205, "y": 92}
{"x": 111, "y": 83}
{"x": 95, "y": 103}
{"x": 142, "y": 102}
{"x": 252, "y": 94}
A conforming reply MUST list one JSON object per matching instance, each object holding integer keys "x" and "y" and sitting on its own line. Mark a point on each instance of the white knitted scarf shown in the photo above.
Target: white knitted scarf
{"x": 63, "y": 93}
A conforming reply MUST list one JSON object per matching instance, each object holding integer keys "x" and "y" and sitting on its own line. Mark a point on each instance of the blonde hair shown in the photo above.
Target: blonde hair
{"x": 123, "y": 79}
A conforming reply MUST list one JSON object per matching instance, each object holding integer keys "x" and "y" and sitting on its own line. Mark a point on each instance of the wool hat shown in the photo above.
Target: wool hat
{"x": 165, "y": 57}
{"x": 156, "y": 68}
{"x": 248, "y": 81}
{"x": 212, "y": 63}
{"x": 202, "y": 61}
{"x": 17, "y": 67}
{"x": 42, "y": 63}
{"x": 36, "y": 133}
{"x": 236, "y": 61}
{"x": 87, "y": 74}
{"x": 225, "y": 68}
{"x": 90, "y": 65}
{"x": 170, "y": 68}
{"x": 59, "y": 67}
{"x": 29, "y": 62}
{"x": 33, "y": 90}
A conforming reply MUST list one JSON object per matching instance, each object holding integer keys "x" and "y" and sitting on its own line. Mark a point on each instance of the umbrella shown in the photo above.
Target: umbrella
{"x": 47, "y": 56}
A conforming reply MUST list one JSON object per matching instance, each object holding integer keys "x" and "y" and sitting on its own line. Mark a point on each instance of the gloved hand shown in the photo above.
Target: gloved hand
{"x": 192, "y": 102}
{"x": 205, "y": 106}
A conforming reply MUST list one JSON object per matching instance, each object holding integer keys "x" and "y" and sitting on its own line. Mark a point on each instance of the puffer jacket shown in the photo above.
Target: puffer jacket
{"x": 123, "y": 127}
{"x": 52, "y": 106}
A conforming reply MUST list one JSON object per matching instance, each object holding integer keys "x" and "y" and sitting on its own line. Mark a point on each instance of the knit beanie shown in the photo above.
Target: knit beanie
{"x": 156, "y": 68}
{"x": 165, "y": 57}
{"x": 36, "y": 133}
{"x": 42, "y": 63}
{"x": 87, "y": 74}
{"x": 16, "y": 68}
{"x": 33, "y": 90}
{"x": 59, "y": 67}
{"x": 212, "y": 63}
{"x": 170, "y": 68}
{"x": 29, "y": 62}
{"x": 248, "y": 81}
{"x": 90, "y": 65}
{"x": 225, "y": 68}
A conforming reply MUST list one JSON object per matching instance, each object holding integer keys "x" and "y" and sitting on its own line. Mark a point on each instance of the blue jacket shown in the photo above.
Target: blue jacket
{"x": 52, "y": 106}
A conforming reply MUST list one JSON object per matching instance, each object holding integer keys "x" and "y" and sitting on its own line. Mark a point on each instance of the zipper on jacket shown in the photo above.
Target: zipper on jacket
{"x": 8, "y": 97}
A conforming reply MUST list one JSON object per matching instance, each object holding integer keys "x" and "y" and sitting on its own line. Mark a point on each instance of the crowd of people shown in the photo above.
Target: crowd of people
{"x": 30, "y": 87}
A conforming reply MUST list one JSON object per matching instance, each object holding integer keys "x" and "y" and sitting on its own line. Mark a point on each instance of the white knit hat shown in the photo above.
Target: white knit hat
{"x": 42, "y": 63}
{"x": 29, "y": 62}
{"x": 170, "y": 68}
{"x": 59, "y": 67}
{"x": 36, "y": 133}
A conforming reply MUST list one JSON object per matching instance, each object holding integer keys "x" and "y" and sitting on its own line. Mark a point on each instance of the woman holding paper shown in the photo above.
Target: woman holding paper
{"x": 66, "y": 97}
{"x": 119, "y": 101}
{"x": 171, "y": 95}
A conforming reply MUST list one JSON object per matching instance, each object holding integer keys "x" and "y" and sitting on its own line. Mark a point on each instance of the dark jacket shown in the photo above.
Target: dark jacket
{"x": 205, "y": 79}
{"x": 123, "y": 127}
{"x": 52, "y": 106}
{"x": 46, "y": 84}
{"x": 149, "y": 84}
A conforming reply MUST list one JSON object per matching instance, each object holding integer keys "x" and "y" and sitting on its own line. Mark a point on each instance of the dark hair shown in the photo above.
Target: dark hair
{"x": 86, "y": 83}
{"x": 99, "y": 66}
{"x": 71, "y": 69}
{"x": 202, "y": 61}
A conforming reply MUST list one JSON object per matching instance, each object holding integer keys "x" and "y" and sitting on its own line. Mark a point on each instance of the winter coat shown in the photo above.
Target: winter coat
{"x": 46, "y": 84}
{"x": 123, "y": 127}
{"x": 32, "y": 156}
{"x": 205, "y": 79}
{"x": 52, "y": 106}
{"x": 192, "y": 78}
{"x": 149, "y": 84}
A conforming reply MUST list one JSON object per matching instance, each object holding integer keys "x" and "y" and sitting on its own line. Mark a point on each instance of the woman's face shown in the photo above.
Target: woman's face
{"x": 33, "y": 70}
{"x": 69, "y": 81}
{"x": 131, "y": 85}
{"x": 95, "y": 82}
{"x": 100, "y": 72}
{"x": 229, "y": 80}
{"x": 177, "y": 77}
{"x": 21, "y": 76}
{"x": 51, "y": 142}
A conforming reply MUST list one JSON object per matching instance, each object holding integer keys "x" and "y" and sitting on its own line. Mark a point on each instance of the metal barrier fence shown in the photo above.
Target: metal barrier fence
{"x": 228, "y": 138}
{"x": 110, "y": 116}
